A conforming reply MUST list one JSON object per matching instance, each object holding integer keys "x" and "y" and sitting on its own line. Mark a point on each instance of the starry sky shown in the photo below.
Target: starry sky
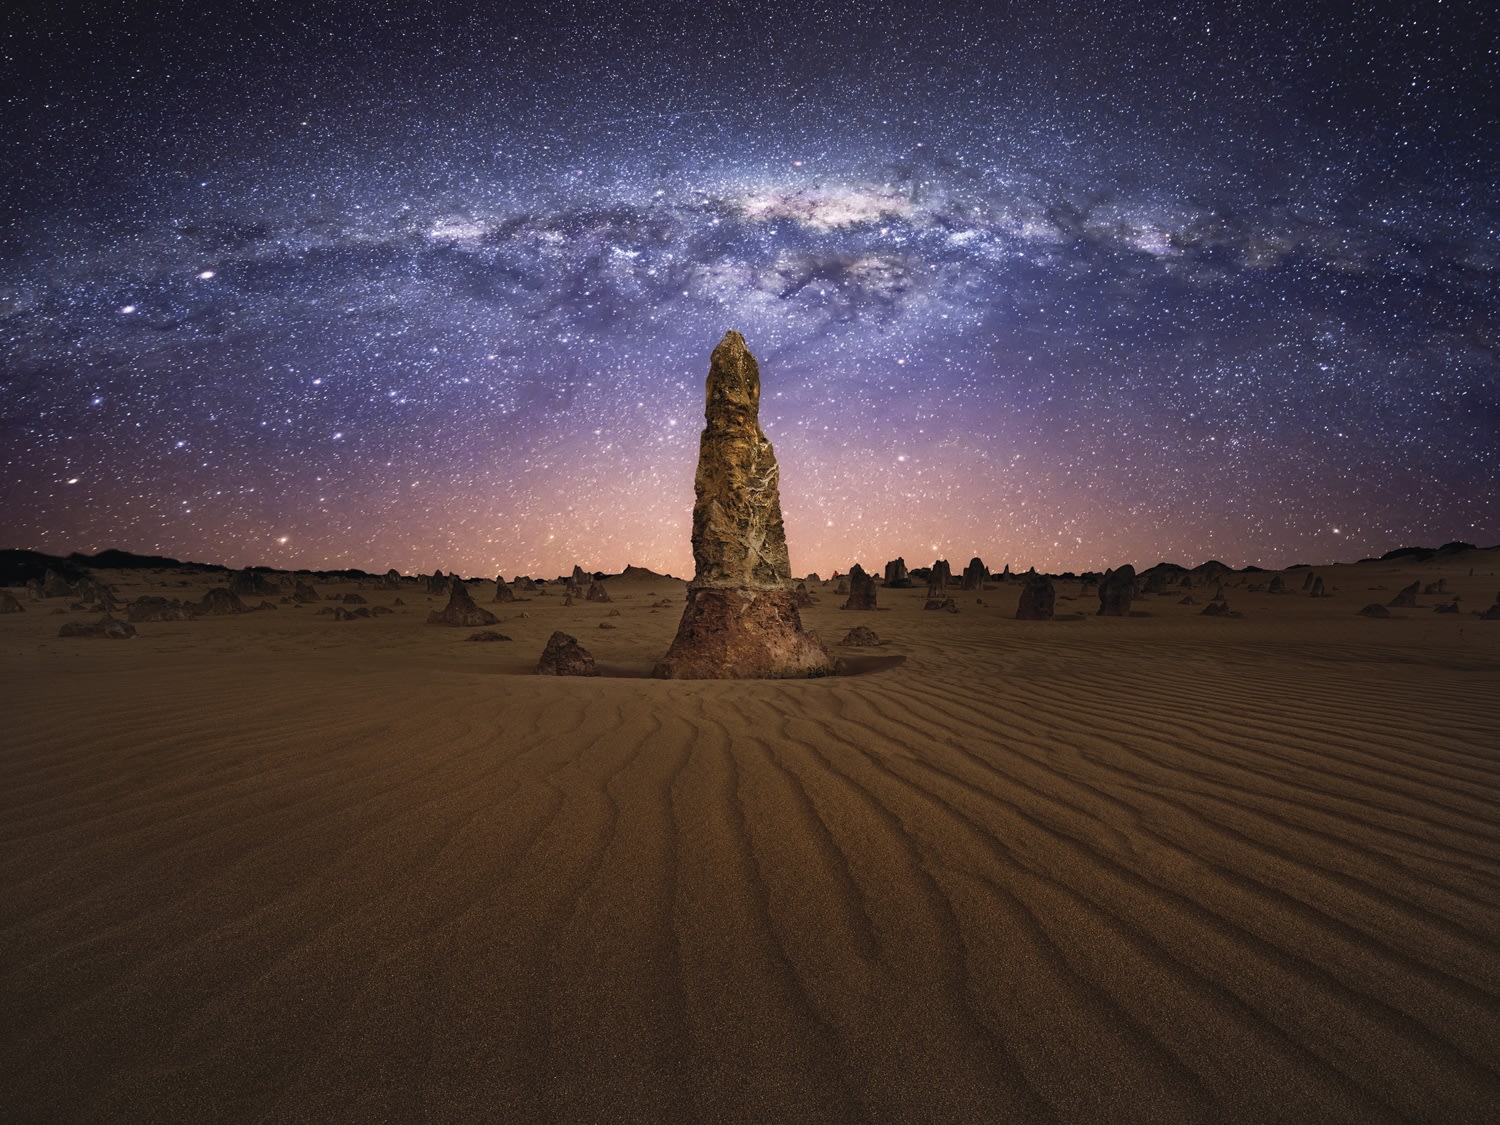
{"x": 1056, "y": 284}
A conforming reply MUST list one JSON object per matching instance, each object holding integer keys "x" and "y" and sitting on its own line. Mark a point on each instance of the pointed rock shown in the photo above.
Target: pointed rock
{"x": 741, "y": 620}
{"x": 564, "y": 656}
{"x": 861, "y": 589}
{"x": 461, "y": 610}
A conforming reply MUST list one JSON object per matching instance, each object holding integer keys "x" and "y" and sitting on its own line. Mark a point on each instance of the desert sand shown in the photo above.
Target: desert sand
{"x": 1164, "y": 867}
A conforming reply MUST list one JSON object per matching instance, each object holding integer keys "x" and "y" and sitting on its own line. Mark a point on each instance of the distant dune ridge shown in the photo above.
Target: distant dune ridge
{"x": 1156, "y": 867}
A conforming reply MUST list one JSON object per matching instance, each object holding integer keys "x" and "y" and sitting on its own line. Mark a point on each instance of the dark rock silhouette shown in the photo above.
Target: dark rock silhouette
{"x": 942, "y": 603}
{"x": 151, "y": 608}
{"x": 1438, "y": 587}
{"x": 1493, "y": 613}
{"x": 252, "y": 584}
{"x": 107, "y": 628}
{"x": 9, "y": 603}
{"x": 487, "y": 636}
{"x": 803, "y": 595}
{"x": 564, "y": 656}
{"x": 597, "y": 592}
{"x": 1277, "y": 585}
{"x": 392, "y": 580}
{"x": 1117, "y": 591}
{"x": 1374, "y": 609}
{"x": 503, "y": 593}
{"x": 896, "y": 576}
{"x": 54, "y": 585}
{"x": 355, "y": 599}
{"x": 303, "y": 593}
{"x": 1318, "y": 590}
{"x": 461, "y": 610}
{"x": 860, "y": 635}
{"x": 940, "y": 578}
{"x": 1038, "y": 598}
{"x": 1406, "y": 598}
{"x": 1218, "y": 609}
{"x": 974, "y": 575}
{"x": 741, "y": 619}
{"x": 438, "y": 584}
{"x": 861, "y": 589}
{"x": 220, "y": 602}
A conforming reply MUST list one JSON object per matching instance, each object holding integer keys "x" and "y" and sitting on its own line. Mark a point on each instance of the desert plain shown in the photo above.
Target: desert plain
{"x": 1155, "y": 868}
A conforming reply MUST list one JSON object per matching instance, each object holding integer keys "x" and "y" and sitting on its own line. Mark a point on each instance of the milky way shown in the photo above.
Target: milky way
{"x": 1052, "y": 285}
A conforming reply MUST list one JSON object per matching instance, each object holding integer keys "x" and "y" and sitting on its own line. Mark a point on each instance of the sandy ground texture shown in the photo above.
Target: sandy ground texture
{"x": 1160, "y": 868}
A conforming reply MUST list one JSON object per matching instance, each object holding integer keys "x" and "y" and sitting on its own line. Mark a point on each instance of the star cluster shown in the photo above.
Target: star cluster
{"x": 435, "y": 285}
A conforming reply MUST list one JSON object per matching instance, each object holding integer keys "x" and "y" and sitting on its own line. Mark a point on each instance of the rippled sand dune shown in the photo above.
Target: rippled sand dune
{"x": 1158, "y": 868}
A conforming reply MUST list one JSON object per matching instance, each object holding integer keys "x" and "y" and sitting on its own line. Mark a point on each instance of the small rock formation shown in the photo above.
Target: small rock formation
{"x": 355, "y": 599}
{"x": 437, "y": 584}
{"x": 1307, "y": 581}
{"x": 1438, "y": 587}
{"x": 861, "y": 589}
{"x": 1217, "y": 609}
{"x": 1116, "y": 592}
{"x": 106, "y": 627}
{"x": 393, "y": 579}
{"x": 1406, "y": 598}
{"x": 54, "y": 585}
{"x": 940, "y": 579}
{"x": 303, "y": 593}
{"x": 1446, "y": 607}
{"x": 525, "y": 584}
{"x": 461, "y": 610}
{"x": 1277, "y": 586}
{"x": 252, "y": 584}
{"x": 220, "y": 602}
{"x": 564, "y": 656}
{"x": 503, "y": 593}
{"x": 487, "y": 636}
{"x": 896, "y": 576}
{"x": 342, "y": 614}
{"x": 803, "y": 595}
{"x": 1374, "y": 609}
{"x": 860, "y": 635}
{"x": 942, "y": 603}
{"x": 9, "y": 603}
{"x": 974, "y": 575}
{"x": 1318, "y": 590}
{"x": 1038, "y": 598}
{"x": 741, "y": 619}
{"x": 597, "y": 592}
{"x": 151, "y": 608}
{"x": 1493, "y": 613}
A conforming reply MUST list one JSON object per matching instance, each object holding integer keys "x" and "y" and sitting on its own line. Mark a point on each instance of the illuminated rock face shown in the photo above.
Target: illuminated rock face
{"x": 741, "y": 620}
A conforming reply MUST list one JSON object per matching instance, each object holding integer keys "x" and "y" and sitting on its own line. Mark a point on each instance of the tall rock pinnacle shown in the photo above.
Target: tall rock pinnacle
{"x": 741, "y": 620}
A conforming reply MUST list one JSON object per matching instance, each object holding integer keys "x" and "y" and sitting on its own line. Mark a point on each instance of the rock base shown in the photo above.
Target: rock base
{"x": 742, "y": 635}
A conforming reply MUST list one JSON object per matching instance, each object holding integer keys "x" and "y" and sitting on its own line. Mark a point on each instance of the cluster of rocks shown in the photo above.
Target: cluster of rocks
{"x": 106, "y": 628}
{"x": 218, "y": 602}
{"x": 1117, "y": 592}
{"x": 860, "y": 635}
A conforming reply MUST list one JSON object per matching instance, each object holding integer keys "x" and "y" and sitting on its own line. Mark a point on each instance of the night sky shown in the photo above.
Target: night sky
{"x": 436, "y": 285}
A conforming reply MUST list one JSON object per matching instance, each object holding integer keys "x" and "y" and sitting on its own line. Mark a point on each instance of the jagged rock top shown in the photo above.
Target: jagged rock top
{"x": 739, "y": 540}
